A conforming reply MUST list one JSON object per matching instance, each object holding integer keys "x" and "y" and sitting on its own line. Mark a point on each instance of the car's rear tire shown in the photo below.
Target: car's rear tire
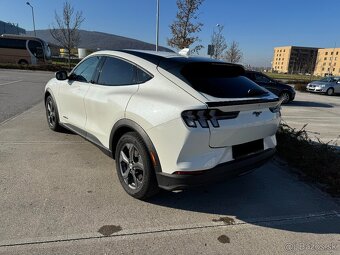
{"x": 134, "y": 168}
{"x": 330, "y": 92}
{"x": 52, "y": 114}
{"x": 285, "y": 97}
{"x": 23, "y": 62}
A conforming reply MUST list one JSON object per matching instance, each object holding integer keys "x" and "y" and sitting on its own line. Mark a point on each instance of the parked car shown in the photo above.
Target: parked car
{"x": 284, "y": 91}
{"x": 169, "y": 121}
{"x": 328, "y": 85}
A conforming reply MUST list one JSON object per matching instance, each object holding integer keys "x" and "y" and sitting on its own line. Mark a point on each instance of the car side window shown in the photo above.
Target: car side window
{"x": 85, "y": 70}
{"x": 116, "y": 72}
{"x": 261, "y": 78}
{"x": 36, "y": 48}
{"x": 142, "y": 76}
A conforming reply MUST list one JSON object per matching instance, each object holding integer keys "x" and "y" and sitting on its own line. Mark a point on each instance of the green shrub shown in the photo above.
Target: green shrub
{"x": 49, "y": 67}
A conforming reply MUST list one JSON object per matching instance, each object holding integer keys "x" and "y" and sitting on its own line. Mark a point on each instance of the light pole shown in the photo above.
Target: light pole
{"x": 157, "y": 26}
{"x": 218, "y": 37}
{"x": 32, "y": 17}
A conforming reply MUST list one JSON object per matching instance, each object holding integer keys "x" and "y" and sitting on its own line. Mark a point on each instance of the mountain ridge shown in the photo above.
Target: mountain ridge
{"x": 95, "y": 40}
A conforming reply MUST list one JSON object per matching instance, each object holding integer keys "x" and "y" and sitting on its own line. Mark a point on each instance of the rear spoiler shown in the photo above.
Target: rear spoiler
{"x": 241, "y": 102}
{"x": 245, "y": 105}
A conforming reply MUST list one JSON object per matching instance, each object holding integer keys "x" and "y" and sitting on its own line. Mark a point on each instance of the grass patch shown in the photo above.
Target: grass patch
{"x": 295, "y": 77}
{"x": 49, "y": 67}
{"x": 316, "y": 162}
{"x": 56, "y": 65}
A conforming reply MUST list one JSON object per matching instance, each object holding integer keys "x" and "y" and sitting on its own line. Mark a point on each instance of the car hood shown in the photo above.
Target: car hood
{"x": 285, "y": 86}
{"x": 318, "y": 83}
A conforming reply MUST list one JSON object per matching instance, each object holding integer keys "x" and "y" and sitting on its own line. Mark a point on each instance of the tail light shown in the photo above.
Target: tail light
{"x": 202, "y": 117}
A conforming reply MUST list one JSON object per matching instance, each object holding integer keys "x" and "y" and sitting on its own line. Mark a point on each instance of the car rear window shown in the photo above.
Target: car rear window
{"x": 220, "y": 79}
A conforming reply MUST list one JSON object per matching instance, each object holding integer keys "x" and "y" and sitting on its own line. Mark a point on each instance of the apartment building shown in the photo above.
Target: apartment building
{"x": 328, "y": 62}
{"x": 294, "y": 59}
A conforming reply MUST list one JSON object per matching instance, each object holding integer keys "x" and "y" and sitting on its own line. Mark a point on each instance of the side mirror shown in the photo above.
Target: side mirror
{"x": 61, "y": 75}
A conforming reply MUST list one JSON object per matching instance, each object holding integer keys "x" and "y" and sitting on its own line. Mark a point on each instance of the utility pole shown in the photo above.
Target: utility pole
{"x": 157, "y": 26}
{"x": 32, "y": 17}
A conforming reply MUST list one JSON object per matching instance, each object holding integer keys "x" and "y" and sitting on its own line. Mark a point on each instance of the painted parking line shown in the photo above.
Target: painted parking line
{"x": 11, "y": 82}
{"x": 313, "y": 123}
{"x": 317, "y": 117}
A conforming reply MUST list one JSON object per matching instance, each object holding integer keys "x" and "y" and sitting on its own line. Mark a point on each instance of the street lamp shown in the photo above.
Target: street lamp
{"x": 157, "y": 25}
{"x": 217, "y": 25}
{"x": 32, "y": 17}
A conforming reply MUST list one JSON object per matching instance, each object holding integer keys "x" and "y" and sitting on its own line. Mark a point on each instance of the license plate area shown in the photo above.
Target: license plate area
{"x": 245, "y": 149}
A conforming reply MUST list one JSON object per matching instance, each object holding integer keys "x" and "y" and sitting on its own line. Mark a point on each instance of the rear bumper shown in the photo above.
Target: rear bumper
{"x": 218, "y": 173}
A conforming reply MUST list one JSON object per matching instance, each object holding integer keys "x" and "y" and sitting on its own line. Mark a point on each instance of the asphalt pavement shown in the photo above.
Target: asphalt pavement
{"x": 320, "y": 114}
{"x": 60, "y": 195}
{"x": 20, "y": 90}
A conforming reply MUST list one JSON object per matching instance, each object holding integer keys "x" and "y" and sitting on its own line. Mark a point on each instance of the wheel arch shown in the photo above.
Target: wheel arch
{"x": 48, "y": 92}
{"x": 125, "y": 125}
{"x": 23, "y": 61}
{"x": 330, "y": 88}
{"x": 288, "y": 92}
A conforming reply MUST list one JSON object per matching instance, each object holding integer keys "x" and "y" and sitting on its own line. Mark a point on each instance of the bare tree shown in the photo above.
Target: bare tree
{"x": 66, "y": 30}
{"x": 219, "y": 43}
{"x": 184, "y": 27}
{"x": 233, "y": 54}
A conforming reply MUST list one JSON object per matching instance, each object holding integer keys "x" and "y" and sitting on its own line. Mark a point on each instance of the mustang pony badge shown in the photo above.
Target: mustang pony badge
{"x": 257, "y": 113}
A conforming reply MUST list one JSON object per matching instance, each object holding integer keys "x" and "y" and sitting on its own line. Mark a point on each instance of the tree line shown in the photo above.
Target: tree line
{"x": 184, "y": 31}
{"x": 186, "y": 26}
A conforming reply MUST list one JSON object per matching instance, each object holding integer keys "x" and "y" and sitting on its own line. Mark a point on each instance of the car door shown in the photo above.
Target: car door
{"x": 72, "y": 92}
{"x": 107, "y": 99}
{"x": 336, "y": 85}
{"x": 267, "y": 83}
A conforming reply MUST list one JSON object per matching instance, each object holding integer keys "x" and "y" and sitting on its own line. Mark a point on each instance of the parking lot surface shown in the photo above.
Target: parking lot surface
{"x": 60, "y": 195}
{"x": 20, "y": 90}
{"x": 321, "y": 113}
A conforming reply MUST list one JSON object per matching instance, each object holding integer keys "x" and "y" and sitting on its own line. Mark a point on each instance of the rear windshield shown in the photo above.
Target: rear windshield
{"x": 220, "y": 80}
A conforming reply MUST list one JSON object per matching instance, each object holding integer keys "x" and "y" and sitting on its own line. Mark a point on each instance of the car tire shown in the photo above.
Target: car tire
{"x": 330, "y": 92}
{"x": 134, "y": 168}
{"x": 52, "y": 114}
{"x": 23, "y": 62}
{"x": 285, "y": 97}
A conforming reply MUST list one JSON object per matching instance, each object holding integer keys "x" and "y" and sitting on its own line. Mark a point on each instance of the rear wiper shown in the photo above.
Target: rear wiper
{"x": 256, "y": 92}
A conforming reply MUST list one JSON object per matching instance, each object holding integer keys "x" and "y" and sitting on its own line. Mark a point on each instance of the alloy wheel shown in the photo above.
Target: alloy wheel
{"x": 131, "y": 166}
{"x": 330, "y": 92}
{"x": 285, "y": 97}
{"x": 51, "y": 113}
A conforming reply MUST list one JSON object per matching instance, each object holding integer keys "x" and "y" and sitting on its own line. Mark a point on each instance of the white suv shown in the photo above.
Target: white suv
{"x": 169, "y": 121}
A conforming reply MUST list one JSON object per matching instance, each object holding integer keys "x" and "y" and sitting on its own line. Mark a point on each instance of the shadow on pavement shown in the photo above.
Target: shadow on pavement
{"x": 266, "y": 196}
{"x": 309, "y": 104}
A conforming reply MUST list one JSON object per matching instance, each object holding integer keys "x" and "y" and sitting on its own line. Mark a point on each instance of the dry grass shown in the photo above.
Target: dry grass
{"x": 316, "y": 162}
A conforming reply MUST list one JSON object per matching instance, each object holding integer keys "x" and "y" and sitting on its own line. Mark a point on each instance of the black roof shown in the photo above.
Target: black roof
{"x": 164, "y": 61}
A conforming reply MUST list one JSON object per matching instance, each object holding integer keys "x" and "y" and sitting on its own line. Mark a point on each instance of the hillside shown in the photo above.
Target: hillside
{"x": 103, "y": 41}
